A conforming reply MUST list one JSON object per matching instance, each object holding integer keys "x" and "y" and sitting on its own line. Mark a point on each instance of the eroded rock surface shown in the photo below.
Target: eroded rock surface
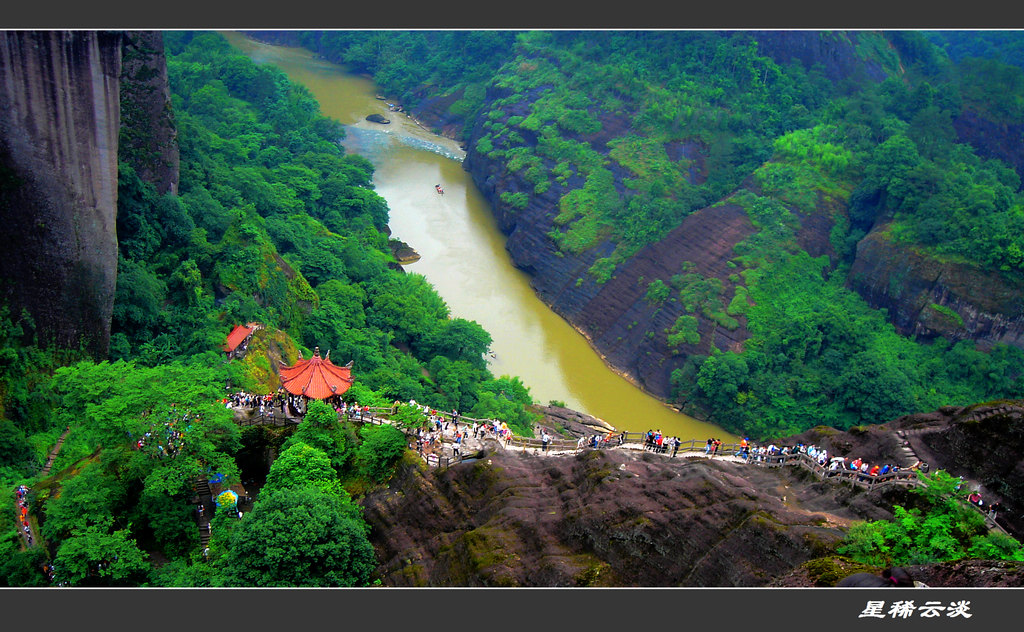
{"x": 624, "y": 518}
{"x": 610, "y": 518}
{"x": 59, "y": 123}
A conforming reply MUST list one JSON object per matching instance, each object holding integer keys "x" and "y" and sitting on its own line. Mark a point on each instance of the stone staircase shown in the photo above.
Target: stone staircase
{"x": 53, "y": 453}
{"x": 204, "y": 497}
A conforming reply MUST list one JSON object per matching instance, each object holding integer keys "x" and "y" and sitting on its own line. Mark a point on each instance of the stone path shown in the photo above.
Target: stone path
{"x": 32, "y": 538}
{"x": 908, "y": 450}
{"x": 636, "y": 447}
{"x": 54, "y": 452}
{"x": 204, "y": 500}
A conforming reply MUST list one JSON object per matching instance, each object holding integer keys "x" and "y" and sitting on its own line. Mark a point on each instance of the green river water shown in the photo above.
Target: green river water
{"x": 463, "y": 252}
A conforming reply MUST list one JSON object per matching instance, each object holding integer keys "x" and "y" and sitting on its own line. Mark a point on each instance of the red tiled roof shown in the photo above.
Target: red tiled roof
{"x": 237, "y": 335}
{"x": 316, "y": 378}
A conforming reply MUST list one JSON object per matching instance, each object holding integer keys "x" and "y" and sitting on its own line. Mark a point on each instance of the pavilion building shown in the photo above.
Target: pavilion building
{"x": 316, "y": 378}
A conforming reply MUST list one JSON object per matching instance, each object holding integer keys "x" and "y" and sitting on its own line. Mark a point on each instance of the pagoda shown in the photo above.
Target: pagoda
{"x": 316, "y": 378}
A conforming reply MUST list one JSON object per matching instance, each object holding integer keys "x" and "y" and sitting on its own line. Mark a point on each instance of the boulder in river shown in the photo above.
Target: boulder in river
{"x": 403, "y": 252}
{"x": 378, "y": 118}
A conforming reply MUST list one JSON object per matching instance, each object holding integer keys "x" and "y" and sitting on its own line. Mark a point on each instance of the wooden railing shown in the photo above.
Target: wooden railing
{"x": 627, "y": 441}
{"x": 264, "y": 419}
{"x": 903, "y": 477}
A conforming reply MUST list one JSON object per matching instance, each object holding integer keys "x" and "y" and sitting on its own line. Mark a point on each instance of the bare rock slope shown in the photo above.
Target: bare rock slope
{"x": 625, "y": 518}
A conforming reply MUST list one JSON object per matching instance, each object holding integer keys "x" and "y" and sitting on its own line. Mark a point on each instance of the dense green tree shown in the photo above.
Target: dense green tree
{"x": 301, "y": 465}
{"x": 85, "y": 501}
{"x": 457, "y": 339}
{"x": 21, "y": 567}
{"x": 95, "y": 557}
{"x": 299, "y": 537}
{"x": 504, "y": 399}
{"x": 380, "y": 449}
{"x": 14, "y": 449}
{"x": 169, "y": 518}
{"x": 942, "y": 530}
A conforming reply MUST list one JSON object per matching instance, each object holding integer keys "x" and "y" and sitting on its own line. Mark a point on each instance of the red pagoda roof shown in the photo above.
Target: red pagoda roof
{"x": 237, "y": 335}
{"x": 316, "y": 378}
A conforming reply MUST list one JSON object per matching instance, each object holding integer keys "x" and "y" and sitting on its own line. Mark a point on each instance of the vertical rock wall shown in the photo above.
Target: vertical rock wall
{"x": 59, "y": 122}
{"x": 926, "y": 296}
{"x": 149, "y": 138}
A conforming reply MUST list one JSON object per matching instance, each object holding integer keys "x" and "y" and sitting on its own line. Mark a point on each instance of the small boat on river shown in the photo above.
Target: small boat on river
{"x": 439, "y": 189}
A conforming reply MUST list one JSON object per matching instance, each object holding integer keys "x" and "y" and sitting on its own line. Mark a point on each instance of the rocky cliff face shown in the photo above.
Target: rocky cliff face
{"x": 991, "y": 139}
{"x": 983, "y": 443}
{"x": 617, "y": 518}
{"x": 63, "y": 99}
{"x": 623, "y": 325}
{"x": 59, "y": 121}
{"x": 614, "y": 316}
{"x": 924, "y": 296}
{"x": 603, "y": 518}
{"x": 834, "y": 52}
{"x": 930, "y": 297}
{"x": 148, "y": 137}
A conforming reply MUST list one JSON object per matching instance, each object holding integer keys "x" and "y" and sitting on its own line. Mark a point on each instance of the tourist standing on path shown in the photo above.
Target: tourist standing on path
{"x": 545, "y": 439}
{"x": 994, "y": 509}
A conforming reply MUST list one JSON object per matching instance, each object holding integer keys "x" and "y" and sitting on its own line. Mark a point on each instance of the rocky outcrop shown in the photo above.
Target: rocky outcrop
{"x": 403, "y": 252}
{"x": 618, "y": 518}
{"x": 834, "y": 52}
{"x": 149, "y": 137}
{"x": 927, "y": 297}
{"x": 561, "y": 421}
{"x": 991, "y": 138}
{"x": 59, "y": 122}
{"x": 602, "y": 518}
{"x": 984, "y": 443}
{"x": 959, "y": 574}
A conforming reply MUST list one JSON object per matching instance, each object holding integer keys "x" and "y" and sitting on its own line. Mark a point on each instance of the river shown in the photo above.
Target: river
{"x": 463, "y": 252}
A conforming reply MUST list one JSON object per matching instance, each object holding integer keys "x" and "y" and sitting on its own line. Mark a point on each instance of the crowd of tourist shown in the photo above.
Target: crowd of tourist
{"x": 284, "y": 403}
{"x": 22, "y": 495}
{"x": 353, "y": 410}
{"x": 833, "y": 465}
{"x": 440, "y": 425}
{"x": 861, "y": 467}
{"x": 598, "y": 441}
{"x": 166, "y": 436}
{"x": 241, "y": 399}
{"x": 655, "y": 441}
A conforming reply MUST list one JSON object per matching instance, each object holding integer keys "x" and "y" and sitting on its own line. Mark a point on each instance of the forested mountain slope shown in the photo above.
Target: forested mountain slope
{"x": 725, "y": 215}
{"x": 699, "y": 204}
{"x": 236, "y": 203}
